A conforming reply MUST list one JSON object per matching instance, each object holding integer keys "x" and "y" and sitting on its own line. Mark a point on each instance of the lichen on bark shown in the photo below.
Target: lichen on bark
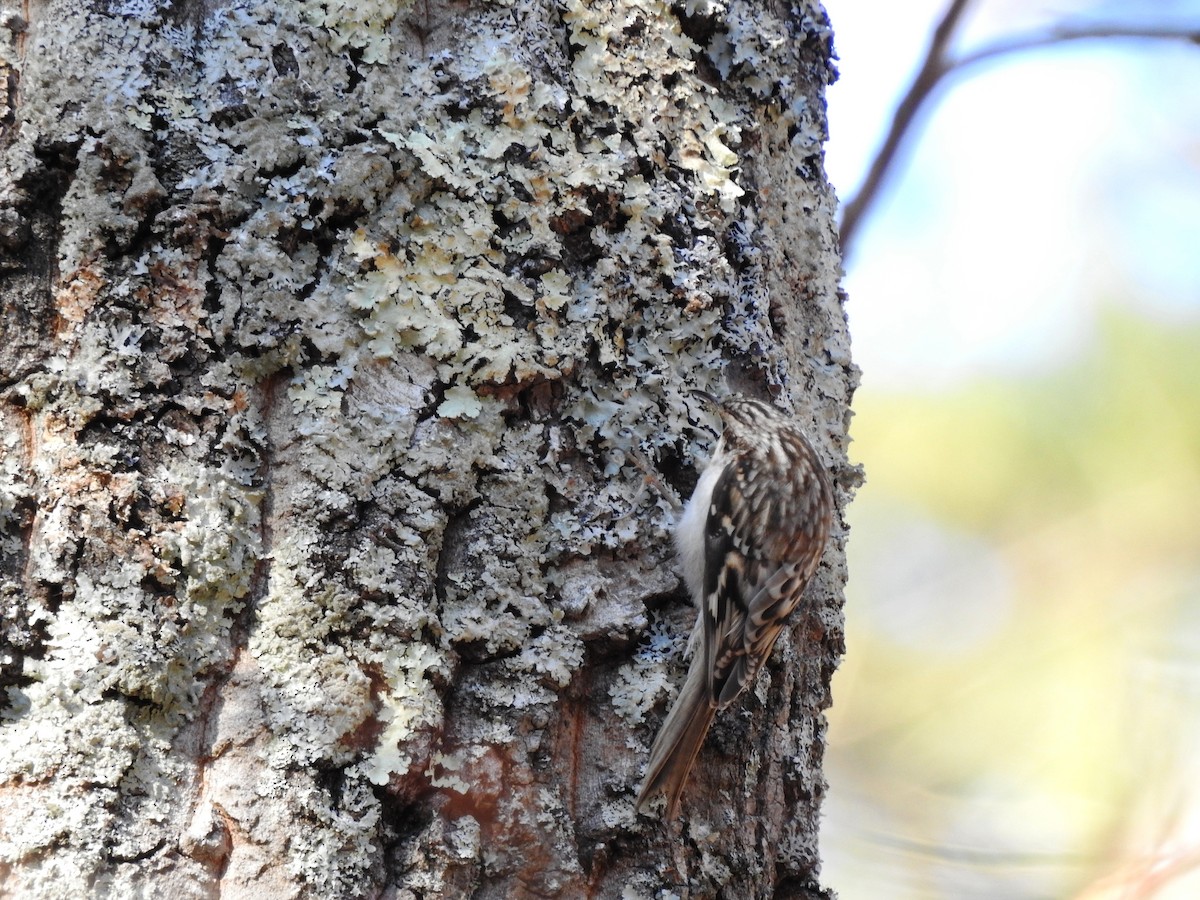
{"x": 336, "y": 340}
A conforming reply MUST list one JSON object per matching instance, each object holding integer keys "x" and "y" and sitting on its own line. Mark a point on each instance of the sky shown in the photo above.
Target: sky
{"x": 1039, "y": 186}
{"x": 1045, "y": 200}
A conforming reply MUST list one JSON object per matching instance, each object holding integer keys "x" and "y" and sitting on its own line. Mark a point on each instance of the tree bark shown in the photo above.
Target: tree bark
{"x": 336, "y": 339}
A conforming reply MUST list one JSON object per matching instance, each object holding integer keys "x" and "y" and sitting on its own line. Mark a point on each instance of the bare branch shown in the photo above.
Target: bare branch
{"x": 936, "y": 66}
{"x": 1064, "y": 33}
{"x": 933, "y": 69}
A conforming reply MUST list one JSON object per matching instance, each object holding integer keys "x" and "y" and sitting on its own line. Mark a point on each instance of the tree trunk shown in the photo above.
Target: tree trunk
{"x": 336, "y": 342}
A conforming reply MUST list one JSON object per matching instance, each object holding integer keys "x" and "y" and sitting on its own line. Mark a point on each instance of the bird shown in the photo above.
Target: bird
{"x": 748, "y": 541}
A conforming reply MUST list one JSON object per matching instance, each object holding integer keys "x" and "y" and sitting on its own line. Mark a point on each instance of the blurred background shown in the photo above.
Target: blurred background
{"x": 1018, "y": 715}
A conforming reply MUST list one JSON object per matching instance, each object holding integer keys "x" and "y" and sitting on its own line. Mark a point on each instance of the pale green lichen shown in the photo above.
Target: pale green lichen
{"x": 360, "y": 24}
{"x": 408, "y": 703}
{"x": 366, "y": 261}
{"x": 553, "y": 656}
{"x": 643, "y": 681}
{"x": 461, "y": 403}
{"x": 444, "y": 768}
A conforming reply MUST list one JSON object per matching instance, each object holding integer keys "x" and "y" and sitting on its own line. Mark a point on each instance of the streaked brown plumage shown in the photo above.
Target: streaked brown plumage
{"x": 749, "y": 540}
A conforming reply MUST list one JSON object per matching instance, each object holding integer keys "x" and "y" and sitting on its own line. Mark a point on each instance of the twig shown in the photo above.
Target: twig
{"x": 1063, "y": 33}
{"x": 932, "y": 70}
{"x": 937, "y": 65}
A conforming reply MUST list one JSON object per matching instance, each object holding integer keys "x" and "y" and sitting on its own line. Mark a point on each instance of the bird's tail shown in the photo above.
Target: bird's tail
{"x": 678, "y": 742}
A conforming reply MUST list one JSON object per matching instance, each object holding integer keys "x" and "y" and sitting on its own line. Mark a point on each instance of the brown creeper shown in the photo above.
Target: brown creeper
{"x": 749, "y": 540}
